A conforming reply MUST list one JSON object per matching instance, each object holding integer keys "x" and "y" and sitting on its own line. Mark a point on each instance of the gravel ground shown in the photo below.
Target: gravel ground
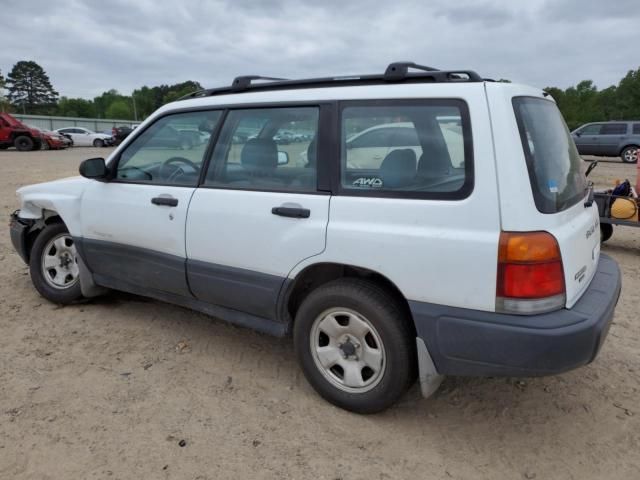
{"x": 124, "y": 387}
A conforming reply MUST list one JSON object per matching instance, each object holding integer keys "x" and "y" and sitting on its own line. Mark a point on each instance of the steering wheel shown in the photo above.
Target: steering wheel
{"x": 177, "y": 170}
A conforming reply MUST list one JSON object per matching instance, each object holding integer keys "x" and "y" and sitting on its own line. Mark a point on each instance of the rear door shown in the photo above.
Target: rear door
{"x": 541, "y": 181}
{"x": 259, "y": 212}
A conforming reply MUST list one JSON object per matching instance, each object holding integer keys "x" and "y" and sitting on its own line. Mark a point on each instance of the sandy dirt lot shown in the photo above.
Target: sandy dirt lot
{"x": 111, "y": 388}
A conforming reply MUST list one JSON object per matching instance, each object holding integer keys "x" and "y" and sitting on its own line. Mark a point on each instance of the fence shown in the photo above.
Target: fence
{"x": 52, "y": 123}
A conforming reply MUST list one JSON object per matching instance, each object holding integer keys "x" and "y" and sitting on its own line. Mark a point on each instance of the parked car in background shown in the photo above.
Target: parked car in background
{"x": 14, "y": 133}
{"x": 83, "y": 137}
{"x": 54, "y": 141}
{"x": 609, "y": 139}
{"x": 68, "y": 137}
{"x": 51, "y": 140}
{"x": 120, "y": 133}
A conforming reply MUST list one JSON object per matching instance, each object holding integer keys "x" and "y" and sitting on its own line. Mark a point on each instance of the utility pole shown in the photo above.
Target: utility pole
{"x": 135, "y": 110}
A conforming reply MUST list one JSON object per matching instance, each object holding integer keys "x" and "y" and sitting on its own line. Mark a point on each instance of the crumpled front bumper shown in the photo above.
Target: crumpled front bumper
{"x": 19, "y": 229}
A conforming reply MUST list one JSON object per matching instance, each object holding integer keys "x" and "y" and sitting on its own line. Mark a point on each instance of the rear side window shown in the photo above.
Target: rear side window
{"x": 412, "y": 149}
{"x": 614, "y": 129}
{"x": 555, "y": 168}
{"x": 636, "y": 128}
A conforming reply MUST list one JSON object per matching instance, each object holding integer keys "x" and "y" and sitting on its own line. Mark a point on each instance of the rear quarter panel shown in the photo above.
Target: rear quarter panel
{"x": 437, "y": 251}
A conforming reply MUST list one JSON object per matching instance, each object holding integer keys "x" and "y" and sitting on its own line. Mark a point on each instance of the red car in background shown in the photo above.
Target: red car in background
{"x": 53, "y": 140}
{"x": 14, "y": 133}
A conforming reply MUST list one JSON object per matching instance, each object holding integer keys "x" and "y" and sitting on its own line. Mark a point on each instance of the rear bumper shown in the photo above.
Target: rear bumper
{"x": 18, "y": 230}
{"x": 477, "y": 343}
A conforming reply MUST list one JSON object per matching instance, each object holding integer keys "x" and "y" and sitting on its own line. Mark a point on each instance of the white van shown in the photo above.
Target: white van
{"x": 423, "y": 223}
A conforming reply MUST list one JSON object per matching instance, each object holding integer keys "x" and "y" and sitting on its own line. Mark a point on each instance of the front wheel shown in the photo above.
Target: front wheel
{"x": 355, "y": 345}
{"x": 630, "y": 154}
{"x": 53, "y": 265}
{"x": 98, "y": 143}
{"x": 45, "y": 145}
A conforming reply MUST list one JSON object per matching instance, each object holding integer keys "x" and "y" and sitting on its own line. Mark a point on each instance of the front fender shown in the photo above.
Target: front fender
{"x": 60, "y": 196}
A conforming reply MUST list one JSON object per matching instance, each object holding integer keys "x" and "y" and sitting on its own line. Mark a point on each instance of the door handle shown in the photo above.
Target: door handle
{"x": 165, "y": 201}
{"x": 293, "y": 212}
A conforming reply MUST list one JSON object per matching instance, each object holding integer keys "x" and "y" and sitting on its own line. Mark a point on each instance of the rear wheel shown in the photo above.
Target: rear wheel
{"x": 98, "y": 143}
{"x": 355, "y": 345}
{"x": 606, "y": 230}
{"x": 23, "y": 143}
{"x": 630, "y": 154}
{"x": 53, "y": 265}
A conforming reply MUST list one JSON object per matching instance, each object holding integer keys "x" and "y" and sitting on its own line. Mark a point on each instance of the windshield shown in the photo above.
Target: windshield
{"x": 555, "y": 167}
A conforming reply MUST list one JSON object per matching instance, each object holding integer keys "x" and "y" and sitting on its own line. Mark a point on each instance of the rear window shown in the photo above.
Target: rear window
{"x": 555, "y": 168}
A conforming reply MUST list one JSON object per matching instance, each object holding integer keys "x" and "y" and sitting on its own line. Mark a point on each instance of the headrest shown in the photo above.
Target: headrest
{"x": 398, "y": 169}
{"x": 312, "y": 152}
{"x": 259, "y": 154}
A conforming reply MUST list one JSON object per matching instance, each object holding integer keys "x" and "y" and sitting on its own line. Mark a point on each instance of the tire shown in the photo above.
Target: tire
{"x": 98, "y": 143}
{"x": 45, "y": 146}
{"x": 24, "y": 143}
{"x": 606, "y": 230}
{"x": 350, "y": 305}
{"x": 630, "y": 154}
{"x": 54, "y": 248}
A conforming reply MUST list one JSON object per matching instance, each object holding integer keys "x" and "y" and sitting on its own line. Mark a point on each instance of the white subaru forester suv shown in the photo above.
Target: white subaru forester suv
{"x": 458, "y": 238}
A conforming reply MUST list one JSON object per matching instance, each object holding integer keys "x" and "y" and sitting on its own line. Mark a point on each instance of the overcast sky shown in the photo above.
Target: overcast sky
{"x": 88, "y": 47}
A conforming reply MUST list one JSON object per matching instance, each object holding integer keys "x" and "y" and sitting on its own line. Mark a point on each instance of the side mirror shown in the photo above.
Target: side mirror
{"x": 283, "y": 158}
{"x": 577, "y": 134}
{"x": 94, "y": 168}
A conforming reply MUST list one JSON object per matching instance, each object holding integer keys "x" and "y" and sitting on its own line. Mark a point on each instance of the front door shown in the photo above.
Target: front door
{"x": 587, "y": 139}
{"x": 258, "y": 213}
{"x": 133, "y": 226}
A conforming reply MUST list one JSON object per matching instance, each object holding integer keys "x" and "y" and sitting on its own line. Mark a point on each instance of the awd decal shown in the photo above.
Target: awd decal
{"x": 368, "y": 182}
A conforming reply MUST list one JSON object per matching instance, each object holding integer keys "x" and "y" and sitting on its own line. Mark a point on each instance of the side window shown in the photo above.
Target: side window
{"x": 636, "y": 128}
{"x": 170, "y": 151}
{"x": 425, "y": 149}
{"x": 591, "y": 129}
{"x": 266, "y": 149}
{"x": 614, "y": 129}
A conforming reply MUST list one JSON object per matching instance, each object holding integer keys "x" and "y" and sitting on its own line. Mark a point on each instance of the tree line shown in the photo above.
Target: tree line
{"x": 29, "y": 90}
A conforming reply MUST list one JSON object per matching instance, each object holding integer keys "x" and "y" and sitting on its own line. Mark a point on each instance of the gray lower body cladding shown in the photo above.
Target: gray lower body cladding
{"x": 476, "y": 343}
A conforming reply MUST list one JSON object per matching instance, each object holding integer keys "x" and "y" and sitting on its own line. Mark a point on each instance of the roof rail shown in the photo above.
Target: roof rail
{"x": 396, "y": 72}
{"x": 243, "y": 83}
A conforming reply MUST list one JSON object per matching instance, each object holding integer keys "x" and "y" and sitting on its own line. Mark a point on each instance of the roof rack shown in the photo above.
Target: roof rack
{"x": 395, "y": 73}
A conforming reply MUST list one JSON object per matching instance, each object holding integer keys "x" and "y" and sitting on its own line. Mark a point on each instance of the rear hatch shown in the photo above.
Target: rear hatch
{"x": 552, "y": 196}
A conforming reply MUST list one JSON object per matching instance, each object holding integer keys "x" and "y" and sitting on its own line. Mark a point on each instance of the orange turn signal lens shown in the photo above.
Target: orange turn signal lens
{"x": 526, "y": 247}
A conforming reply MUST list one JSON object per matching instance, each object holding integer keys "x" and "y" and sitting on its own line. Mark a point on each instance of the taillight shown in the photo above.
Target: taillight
{"x": 530, "y": 273}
